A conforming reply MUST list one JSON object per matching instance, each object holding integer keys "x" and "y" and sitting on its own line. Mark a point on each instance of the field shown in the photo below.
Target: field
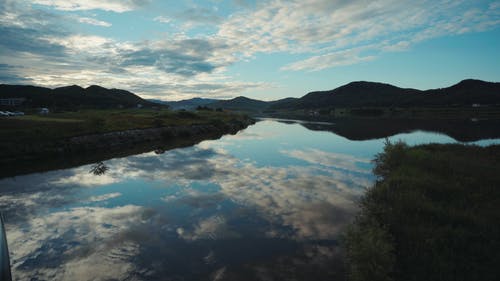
{"x": 54, "y": 126}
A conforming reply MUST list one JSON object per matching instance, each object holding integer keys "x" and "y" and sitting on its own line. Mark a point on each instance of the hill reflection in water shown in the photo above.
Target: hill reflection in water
{"x": 372, "y": 128}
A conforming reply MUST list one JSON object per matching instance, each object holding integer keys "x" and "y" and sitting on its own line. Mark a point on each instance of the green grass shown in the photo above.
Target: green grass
{"x": 39, "y": 128}
{"x": 38, "y": 118}
{"x": 433, "y": 214}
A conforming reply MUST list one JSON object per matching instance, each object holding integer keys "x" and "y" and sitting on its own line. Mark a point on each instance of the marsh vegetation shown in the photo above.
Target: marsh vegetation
{"x": 431, "y": 215}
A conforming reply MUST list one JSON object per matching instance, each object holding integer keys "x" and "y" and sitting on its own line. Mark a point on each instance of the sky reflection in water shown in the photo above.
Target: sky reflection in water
{"x": 265, "y": 204}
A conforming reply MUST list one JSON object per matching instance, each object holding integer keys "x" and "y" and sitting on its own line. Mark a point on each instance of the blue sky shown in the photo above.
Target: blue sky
{"x": 261, "y": 49}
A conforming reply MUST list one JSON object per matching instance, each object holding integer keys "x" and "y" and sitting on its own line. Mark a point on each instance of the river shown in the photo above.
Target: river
{"x": 268, "y": 203}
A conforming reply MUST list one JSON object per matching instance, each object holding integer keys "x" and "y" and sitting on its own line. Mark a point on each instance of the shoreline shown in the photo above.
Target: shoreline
{"x": 87, "y": 149}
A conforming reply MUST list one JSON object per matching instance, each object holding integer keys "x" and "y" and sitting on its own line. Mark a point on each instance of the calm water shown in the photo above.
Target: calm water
{"x": 265, "y": 204}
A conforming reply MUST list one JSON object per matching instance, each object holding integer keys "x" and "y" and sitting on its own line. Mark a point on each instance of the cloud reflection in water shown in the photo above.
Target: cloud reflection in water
{"x": 77, "y": 244}
{"x": 203, "y": 201}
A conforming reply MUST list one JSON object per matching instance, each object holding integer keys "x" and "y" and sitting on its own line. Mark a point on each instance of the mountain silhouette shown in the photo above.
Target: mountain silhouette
{"x": 373, "y": 94}
{"x": 73, "y": 97}
{"x": 358, "y": 94}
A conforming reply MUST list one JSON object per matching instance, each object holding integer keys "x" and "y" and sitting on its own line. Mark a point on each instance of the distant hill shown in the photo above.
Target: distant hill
{"x": 282, "y": 102}
{"x": 363, "y": 94}
{"x": 240, "y": 104}
{"x": 72, "y": 97}
{"x": 352, "y": 95}
{"x": 372, "y": 94}
{"x": 245, "y": 104}
{"x": 188, "y": 104}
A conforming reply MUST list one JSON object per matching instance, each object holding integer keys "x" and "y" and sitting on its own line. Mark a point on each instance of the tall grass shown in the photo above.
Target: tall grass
{"x": 61, "y": 125}
{"x": 433, "y": 214}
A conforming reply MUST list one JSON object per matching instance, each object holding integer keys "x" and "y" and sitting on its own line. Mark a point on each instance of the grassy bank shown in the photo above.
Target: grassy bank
{"x": 55, "y": 126}
{"x": 36, "y": 143}
{"x": 433, "y": 214}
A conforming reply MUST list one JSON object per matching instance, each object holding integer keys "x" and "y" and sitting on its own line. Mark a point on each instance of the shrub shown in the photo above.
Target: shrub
{"x": 432, "y": 215}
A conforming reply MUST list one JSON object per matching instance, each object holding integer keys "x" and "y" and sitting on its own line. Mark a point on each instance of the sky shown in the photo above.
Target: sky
{"x": 266, "y": 50}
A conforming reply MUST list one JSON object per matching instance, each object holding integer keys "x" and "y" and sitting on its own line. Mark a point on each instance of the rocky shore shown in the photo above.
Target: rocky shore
{"x": 124, "y": 139}
{"x": 86, "y": 149}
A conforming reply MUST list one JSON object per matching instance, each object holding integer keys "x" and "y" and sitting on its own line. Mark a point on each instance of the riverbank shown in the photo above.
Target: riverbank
{"x": 432, "y": 215}
{"x": 367, "y": 113}
{"x": 35, "y": 144}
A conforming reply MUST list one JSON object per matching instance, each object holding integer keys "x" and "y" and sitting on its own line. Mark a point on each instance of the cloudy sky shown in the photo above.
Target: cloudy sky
{"x": 261, "y": 49}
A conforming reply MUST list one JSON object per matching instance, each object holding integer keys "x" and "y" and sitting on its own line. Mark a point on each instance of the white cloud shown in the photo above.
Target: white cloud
{"x": 174, "y": 68}
{"x": 110, "y": 258}
{"x": 148, "y": 82}
{"x": 331, "y": 32}
{"x": 93, "y": 21}
{"x": 315, "y": 201}
{"x": 83, "y": 44}
{"x": 104, "y": 197}
{"x": 196, "y": 16}
{"x": 83, "y": 178}
{"x": 316, "y": 63}
{"x": 55, "y": 241}
{"x": 330, "y": 159}
{"x": 210, "y": 228}
{"x": 218, "y": 274}
{"x": 326, "y": 33}
{"x": 118, "y": 6}
{"x": 314, "y": 206}
{"x": 162, "y": 19}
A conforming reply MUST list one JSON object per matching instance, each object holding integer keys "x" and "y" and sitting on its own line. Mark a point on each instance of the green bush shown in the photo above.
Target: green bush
{"x": 370, "y": 251}
{"x": 432, "y": 215}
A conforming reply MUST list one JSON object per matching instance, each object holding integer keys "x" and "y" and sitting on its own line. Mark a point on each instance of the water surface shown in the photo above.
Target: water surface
{"x": 267, "y": 203}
